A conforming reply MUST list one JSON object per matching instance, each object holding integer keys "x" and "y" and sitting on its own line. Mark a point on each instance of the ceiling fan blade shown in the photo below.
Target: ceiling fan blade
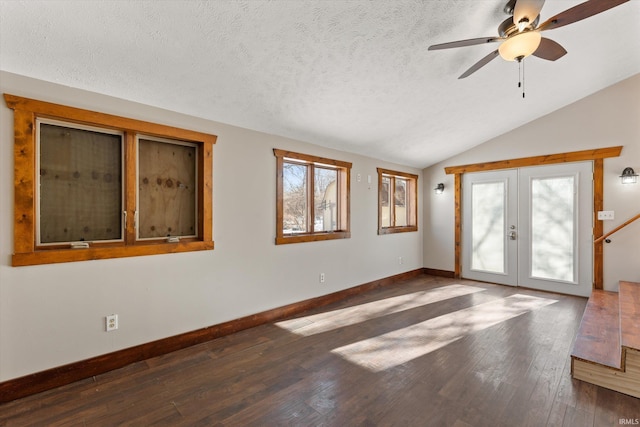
{"x": 579, "y": 12}
{"x": 527, "y": 9}
{"x": 462, "y": 43}
{"x": 549, "y": 50}
{"x": 475, "y": 67}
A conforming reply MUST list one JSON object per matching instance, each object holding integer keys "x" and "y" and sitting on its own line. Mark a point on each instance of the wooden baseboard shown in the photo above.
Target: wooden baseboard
{"x": 440, "y": 273}
{"x": 56, "y": 377}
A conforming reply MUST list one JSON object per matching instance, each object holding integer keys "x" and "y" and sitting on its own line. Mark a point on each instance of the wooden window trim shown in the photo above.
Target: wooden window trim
{"x": 344, "y": 196}
{"x": 26, "y": 111}
{"x": 596, "y": 155}
{"x": 412, "y": 202}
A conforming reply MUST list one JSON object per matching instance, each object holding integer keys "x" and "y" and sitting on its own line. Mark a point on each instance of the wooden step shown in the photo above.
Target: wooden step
{"x": 598, "y": 339}
{"x": 630, "y": 314}
{"x": 607, "y": 349}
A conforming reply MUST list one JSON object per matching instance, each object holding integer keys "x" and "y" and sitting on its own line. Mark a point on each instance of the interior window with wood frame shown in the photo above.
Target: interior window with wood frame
{"x": 91, "y": 186}
{"x": 397, "y": 202}
{"x": 312, "y": 198}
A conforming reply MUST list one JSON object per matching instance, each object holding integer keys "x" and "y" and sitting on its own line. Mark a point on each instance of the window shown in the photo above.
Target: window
{"x": 167, "y": 183}
{"x": 79, "y": 184}
{"x": 312, "y": 200}
{"x": 397, "y": 202}
{"x": 92, "y": 186}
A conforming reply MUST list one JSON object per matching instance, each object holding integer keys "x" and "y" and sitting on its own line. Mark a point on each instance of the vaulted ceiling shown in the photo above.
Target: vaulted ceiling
{"x": 354, "y": 75}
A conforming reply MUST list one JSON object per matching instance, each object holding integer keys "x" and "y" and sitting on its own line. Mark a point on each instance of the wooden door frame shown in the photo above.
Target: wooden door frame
{"x": 596, "y": 155}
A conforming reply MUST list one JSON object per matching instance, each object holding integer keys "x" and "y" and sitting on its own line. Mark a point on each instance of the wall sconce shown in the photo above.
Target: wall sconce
{"x": 629, "y": 176}
{"x": 439, "y": 188}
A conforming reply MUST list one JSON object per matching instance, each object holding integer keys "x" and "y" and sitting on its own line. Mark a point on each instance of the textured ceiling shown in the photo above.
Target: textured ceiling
{"x": 354, "y": 75}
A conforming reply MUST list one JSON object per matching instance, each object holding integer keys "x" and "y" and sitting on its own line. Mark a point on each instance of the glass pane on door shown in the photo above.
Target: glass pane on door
{"x": 553, "y": 228}
{"x": 488, "y": 225}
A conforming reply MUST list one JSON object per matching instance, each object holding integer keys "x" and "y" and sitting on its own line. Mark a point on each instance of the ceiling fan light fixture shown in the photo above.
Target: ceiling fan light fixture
{"x": 520, "y": 45}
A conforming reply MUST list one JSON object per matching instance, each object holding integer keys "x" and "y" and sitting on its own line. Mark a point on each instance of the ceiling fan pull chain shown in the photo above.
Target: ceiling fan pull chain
{"x": 523, "y": 79}
{"x": 521, "y": 75}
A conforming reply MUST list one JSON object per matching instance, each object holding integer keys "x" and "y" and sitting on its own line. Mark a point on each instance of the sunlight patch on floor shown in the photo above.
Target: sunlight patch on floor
{"x": 327, "y": 321}
{"x": 402, "y": 345}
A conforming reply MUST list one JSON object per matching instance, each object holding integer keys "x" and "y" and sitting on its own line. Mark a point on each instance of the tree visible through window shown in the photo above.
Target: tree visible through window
{"x": 325, "y": 199}
{"x": 313, "y": 198}
{"x": 295, "y": 198}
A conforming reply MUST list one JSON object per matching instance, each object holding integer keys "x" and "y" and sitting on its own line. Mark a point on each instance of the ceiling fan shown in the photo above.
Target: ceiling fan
{"x": 520, "y": 34}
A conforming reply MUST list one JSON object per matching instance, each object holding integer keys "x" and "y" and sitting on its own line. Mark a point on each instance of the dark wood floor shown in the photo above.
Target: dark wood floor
{"x": 515, "y": 372}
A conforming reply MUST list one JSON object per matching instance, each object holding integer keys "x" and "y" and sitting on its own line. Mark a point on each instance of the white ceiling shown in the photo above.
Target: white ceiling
{"x": 353, "y": 75}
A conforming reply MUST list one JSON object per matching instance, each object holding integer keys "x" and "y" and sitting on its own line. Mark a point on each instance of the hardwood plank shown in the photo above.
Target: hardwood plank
{"x": 575, "y": 417}
{"x": 598, "y": 339}
{"x": 513, "y": 373}
{"x": 610, "y": 408}
{"x": 572, "y": 392}
{"x": 543, "y": 374}
{"x": 556, "y": 415}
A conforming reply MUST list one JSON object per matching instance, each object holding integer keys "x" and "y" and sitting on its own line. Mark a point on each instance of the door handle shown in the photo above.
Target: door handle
{"x": 512, "y": 235}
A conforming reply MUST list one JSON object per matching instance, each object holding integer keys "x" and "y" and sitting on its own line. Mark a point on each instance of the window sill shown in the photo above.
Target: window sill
{"x": 70, "y": 255}
{"x": 393, "y": 230}
{"x": 315, "y": 237}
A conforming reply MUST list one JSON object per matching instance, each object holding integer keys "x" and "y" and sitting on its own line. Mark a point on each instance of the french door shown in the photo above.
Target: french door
{"x": 530, "y": 227}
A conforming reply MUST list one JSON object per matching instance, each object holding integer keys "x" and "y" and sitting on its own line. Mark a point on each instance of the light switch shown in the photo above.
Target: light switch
{"x": 605, "y": 215}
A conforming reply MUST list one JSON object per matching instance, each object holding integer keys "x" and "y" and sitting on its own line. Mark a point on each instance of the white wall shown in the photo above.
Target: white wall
{"x": 607, "y": 118}
{"x": 51, "y": 315}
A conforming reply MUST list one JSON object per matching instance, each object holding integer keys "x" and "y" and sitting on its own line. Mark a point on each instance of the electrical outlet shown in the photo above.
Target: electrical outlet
{"x": 321, "y": 277}
{"x": 400, "y": 260}
{"x": 111, "y": 322}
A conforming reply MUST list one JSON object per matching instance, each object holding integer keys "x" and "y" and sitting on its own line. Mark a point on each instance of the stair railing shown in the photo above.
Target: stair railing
{"x": 621, "y": 226}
